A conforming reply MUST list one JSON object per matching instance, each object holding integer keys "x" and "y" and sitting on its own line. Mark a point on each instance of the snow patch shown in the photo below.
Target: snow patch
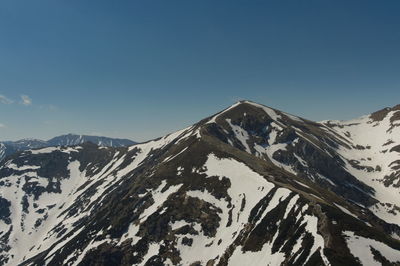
{"x": 360, "y": 247}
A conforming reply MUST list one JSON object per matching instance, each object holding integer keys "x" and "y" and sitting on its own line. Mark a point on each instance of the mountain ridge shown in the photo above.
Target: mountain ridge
{"x": 10, "y": 147}
{"x": 249, "y": 185}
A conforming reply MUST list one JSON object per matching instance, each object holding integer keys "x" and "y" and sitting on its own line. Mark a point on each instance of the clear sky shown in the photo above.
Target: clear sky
{"x": 141, "y": 69}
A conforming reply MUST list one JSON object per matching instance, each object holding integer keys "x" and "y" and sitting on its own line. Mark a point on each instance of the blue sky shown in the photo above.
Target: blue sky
{"x": 141, "y": 69}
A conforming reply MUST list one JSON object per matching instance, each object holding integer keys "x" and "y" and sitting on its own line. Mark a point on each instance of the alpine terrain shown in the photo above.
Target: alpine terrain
{"x": 10, "y": 147}
{"x": 250, "y": 185}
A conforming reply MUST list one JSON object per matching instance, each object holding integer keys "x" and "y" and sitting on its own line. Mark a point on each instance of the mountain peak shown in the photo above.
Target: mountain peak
{"x": 249, "y": 102}
{"x": 245, "y": 101}
{"x": 250, "y": 185}
{"x": 381, "y": 114}
{"x": 249, "y": 109}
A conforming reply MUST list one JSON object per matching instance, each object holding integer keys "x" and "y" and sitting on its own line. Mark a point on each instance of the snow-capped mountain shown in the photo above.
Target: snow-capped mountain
{"x": 250, "y": 185}
{"x": 73, "y": 139}
{"x": 11, "y": 147}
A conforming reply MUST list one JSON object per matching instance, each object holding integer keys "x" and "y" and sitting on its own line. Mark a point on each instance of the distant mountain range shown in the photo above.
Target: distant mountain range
{"x": 11, "y": 147}
{"x": 250, "y": 185}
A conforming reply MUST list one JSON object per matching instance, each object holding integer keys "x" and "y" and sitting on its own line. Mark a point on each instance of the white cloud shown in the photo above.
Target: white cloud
{"x": 26, "y": 100}
{"x": 5, "y": 100}
{"x": 2, "y": 125}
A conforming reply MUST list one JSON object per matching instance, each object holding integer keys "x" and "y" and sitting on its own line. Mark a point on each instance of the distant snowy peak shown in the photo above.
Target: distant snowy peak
{"x": 74, "y": 139}
{"x": 11, "y": 147}
{"x": 29, "y": 143}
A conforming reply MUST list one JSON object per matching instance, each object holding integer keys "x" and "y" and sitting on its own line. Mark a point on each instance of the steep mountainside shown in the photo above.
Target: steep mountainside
{"x": 2, "y": 150}
{"x": 11, "y": 147}
{"x": 248, "y": 186}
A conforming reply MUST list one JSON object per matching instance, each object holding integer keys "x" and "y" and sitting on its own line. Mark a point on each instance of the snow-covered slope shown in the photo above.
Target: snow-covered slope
{"x": 249, "y": 186}
{"x": 358, "y": 159}
{"x": 373, "y": 156}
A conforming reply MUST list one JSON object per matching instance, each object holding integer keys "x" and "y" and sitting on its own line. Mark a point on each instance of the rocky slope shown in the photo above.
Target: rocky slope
{"x": 248, "y": 186}
{"x": 11, "y": 147}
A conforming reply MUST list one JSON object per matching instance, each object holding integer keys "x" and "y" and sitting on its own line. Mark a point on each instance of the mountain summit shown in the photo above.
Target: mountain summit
{"x": 251, "y": 185}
